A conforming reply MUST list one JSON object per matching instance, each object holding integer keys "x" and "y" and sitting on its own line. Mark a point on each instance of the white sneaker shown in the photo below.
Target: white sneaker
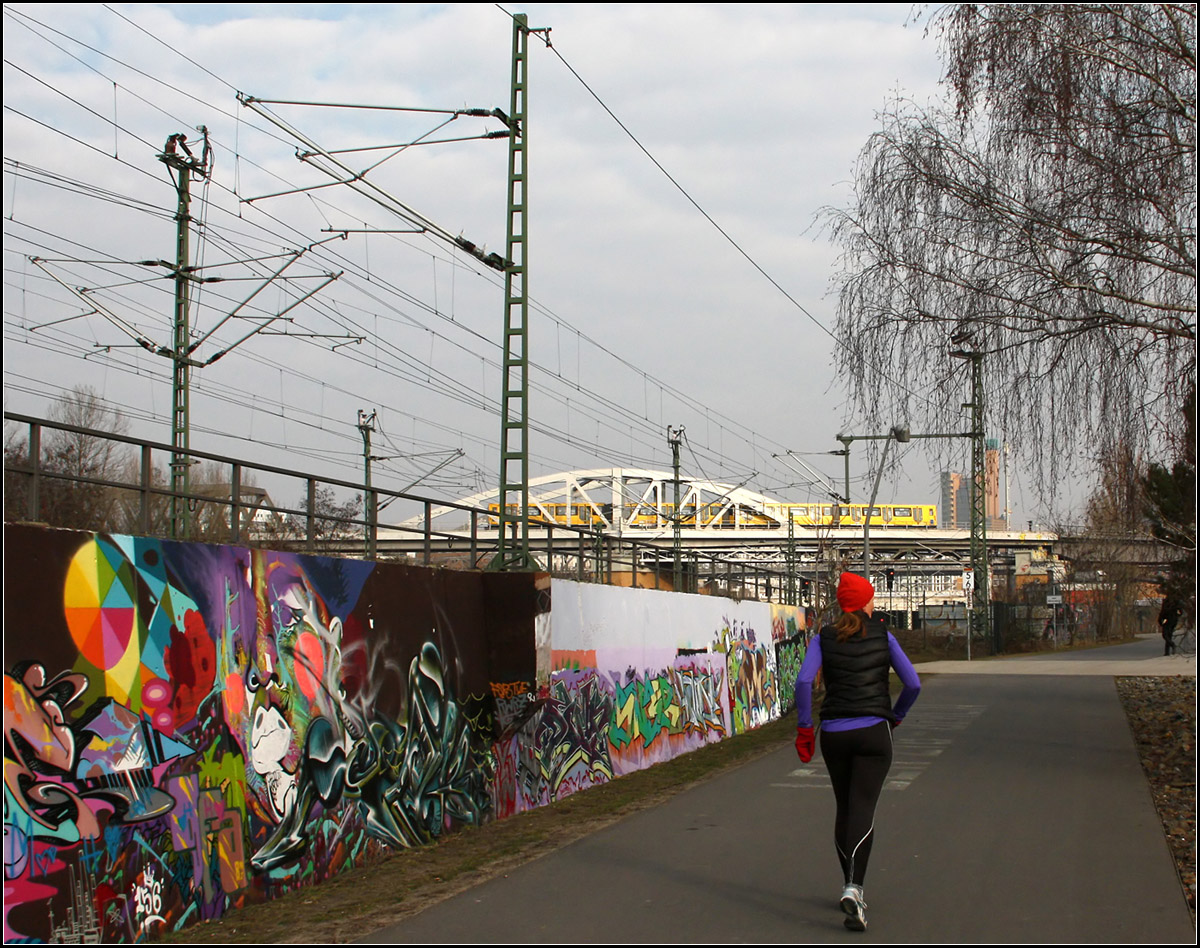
{"x": 855, "y": 908}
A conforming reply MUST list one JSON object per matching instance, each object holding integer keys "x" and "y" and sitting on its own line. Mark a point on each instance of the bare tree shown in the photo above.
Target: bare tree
{"x": 212, "y": 519}
{"x": 83, "y": 496}
{"x": 332, "y": 520}
{"x": 1107, "y": 558}
{"x": 1045, "y": 215}
{"x": 16, "y": 483}
{"x": 1169, "y": 495}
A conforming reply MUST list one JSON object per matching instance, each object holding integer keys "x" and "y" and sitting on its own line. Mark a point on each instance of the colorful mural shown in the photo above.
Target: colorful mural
{"x": 188, "y": 728}
{"x": 677, "y": 671}
{"x": 752, "y": 675}
{"x": 790, "y": 635}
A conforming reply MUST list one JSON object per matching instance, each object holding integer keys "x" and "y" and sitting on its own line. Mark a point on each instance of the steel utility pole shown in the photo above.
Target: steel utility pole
{"x": 847, "y": 440}
{"x": 513, "y": 552}
{"x": 980, "y": 623}
{"x": 674, "y": 439}
{"x": 790, "y": 594}
{"x": 179, "y": 158}
{"x": 184, "y": 166}
{"x": 366, "y": 425}
{"x": 902, "y": 436}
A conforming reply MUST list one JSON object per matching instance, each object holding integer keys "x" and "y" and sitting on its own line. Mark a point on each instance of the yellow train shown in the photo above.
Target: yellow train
{"x": 728, "y": 516}
{"x": 853, "y": 515}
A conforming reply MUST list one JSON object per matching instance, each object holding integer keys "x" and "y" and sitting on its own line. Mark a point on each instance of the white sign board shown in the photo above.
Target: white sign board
{"x": 1054, "y": 600}
{"x": 968, "y": 579}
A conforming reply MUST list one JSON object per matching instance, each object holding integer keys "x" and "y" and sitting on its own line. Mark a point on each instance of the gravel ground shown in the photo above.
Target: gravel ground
{"x": 1162, "y": 717}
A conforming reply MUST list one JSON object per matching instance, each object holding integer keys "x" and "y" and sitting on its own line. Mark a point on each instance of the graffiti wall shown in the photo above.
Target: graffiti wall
{"x": 188, "y": 728}
{"x": 665, "y": 673}
{"x": 790, "y": 637}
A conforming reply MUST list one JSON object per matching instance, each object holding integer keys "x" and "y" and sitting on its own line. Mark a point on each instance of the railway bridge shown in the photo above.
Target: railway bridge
{"x": 578, "y": 517}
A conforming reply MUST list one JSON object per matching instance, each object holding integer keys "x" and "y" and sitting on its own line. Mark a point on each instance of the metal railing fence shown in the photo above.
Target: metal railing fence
{"x": 109, "y": 482}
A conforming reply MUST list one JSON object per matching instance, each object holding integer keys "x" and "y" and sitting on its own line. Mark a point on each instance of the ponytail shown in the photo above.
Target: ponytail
{"x": 848, "y": 625}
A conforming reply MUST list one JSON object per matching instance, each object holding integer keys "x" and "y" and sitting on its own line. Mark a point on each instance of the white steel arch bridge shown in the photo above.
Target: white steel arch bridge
{"x": 720, "y": 519}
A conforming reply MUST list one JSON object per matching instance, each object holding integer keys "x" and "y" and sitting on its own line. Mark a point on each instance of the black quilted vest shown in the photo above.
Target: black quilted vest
{"x": 856, "y": 674}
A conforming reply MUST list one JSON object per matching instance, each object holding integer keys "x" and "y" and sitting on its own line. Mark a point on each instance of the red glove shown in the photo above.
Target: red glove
{"x": 805, "y": 743}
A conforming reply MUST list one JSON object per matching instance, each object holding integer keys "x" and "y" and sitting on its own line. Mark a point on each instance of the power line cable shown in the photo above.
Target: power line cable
{"x": 646, "y": 375}
{"x": 721, "y": 230}
{"x": 584, "y": 390}
{"x": 159, "y": 39}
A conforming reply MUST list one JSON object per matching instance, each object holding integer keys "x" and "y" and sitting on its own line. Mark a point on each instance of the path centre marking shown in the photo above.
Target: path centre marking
{"x": 925, "y": 734}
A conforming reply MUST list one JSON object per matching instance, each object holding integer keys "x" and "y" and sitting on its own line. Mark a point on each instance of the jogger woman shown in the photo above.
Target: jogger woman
{"x": 857, "y": 719}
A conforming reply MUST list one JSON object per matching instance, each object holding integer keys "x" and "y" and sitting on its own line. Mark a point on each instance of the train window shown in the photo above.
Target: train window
{"x": 904, "y": 511}
{"x": 917, "y": 514}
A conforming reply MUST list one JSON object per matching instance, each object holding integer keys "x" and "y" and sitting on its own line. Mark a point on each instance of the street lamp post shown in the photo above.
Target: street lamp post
{"x": 980, "y": 618}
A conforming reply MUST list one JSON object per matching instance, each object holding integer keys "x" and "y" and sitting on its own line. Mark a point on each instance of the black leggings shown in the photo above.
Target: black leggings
{"x": 858, "y": 762}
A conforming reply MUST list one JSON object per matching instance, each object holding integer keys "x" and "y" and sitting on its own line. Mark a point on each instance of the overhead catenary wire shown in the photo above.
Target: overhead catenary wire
{"x": 649, "y": 435}
{"x": 711, "y": 220}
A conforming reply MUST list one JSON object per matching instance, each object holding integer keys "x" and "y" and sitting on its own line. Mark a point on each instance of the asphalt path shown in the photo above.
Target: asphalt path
{"x": 1016, "y": 811}
{"x": 1142, "y": 656}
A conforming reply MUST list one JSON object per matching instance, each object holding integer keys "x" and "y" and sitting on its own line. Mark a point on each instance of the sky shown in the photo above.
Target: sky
{"x": 678, "y": 159}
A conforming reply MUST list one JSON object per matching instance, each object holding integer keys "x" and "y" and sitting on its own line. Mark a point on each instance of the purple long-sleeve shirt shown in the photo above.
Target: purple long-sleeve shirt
{"x": 812, "y": 665}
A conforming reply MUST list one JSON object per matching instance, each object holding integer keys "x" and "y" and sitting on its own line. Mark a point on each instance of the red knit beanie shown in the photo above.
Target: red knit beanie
{"x": 854, "y": 592}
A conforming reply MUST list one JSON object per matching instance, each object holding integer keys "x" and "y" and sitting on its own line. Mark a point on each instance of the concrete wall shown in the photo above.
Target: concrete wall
{"x": 189, "y": 728}
{"x": 634, "y": 677}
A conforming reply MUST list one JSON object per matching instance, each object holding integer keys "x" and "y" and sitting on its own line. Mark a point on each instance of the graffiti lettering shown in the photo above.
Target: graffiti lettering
{"x": 147, "y": 896}
{"x": 410, "y": 780}
{"x": 44, "y": 860}
{"x": 511, "y": 711}
{"x": 699, "y": 694}
{"x": 572, "y": 736}
{"x": 789, "y": 656}
{"x": 221, "y": 725}
{"x": 223, "y": 716}
{"x": 752, "y": 675}
{"x": 510, "y": 689}
{"x": 39, "y": 743}
{"x": 677, "y": 701}
{"x": 786, "y": 622}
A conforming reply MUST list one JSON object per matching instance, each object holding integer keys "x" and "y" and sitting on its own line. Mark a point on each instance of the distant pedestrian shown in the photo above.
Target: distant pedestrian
{"x": 1168, "y": 618}
{"x": 857, "y": 719}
